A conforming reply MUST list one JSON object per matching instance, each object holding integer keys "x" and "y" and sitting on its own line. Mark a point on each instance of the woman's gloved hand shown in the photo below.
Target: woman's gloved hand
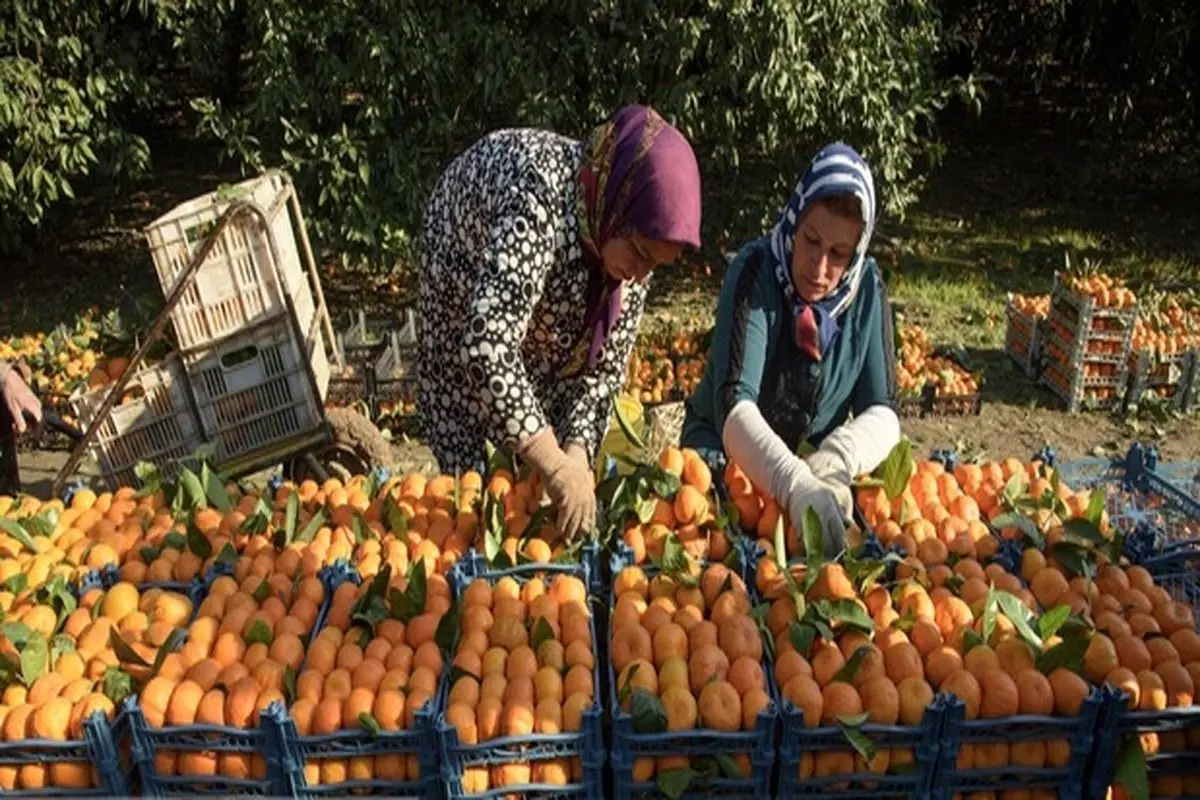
{"x": 568, "y": 481}
{"x": 831, "y": 469}
{"x": 856, "y": 447}
{"x": 808, "y": 491}
{"x": 769, "y": 463}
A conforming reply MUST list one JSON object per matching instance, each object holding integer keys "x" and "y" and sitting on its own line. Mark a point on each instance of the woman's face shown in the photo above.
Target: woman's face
{"x": 633, "y": 257}
{"x": 822, "y": 251}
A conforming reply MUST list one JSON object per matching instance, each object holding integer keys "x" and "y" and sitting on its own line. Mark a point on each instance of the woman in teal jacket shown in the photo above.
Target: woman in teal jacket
{"x": 803, "y": 351}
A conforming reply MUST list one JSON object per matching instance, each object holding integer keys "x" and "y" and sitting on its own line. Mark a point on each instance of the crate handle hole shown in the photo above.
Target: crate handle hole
{"x": 237, "y": 358}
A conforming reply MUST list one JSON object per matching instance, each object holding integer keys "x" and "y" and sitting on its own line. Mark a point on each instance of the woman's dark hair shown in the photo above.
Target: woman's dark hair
{"x": 843, "y": 205}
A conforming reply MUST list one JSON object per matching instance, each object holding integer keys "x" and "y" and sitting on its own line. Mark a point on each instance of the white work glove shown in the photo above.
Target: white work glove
{"x": 855, "y": 448}
{"x": 767, "y": 461}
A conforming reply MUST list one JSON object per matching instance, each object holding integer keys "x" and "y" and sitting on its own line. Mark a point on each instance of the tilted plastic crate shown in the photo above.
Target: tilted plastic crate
{"x": 254, "y": 390}
{"x": 238, "y": 284}
{"x": 1164, "y": 377}
{"x": 153, "y": 421}
{"x": 1155, "y": 515}
{"x": 1189, "y": 390}
{"x": 1023, "y": 338}
{"x": 582, "y": 750}
{"x": 94, "y": 766}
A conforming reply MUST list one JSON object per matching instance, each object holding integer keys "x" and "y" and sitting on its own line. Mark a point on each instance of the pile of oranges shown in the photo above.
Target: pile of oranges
{"x": 666, "y": 370}
{"x": 1032, "y": 305}
{"x": 59, "y": 362}
{"x": 688, "y": 515}
{"x": 920, "y": 366}
{"x": 1106, "y": 291}
{"x": 998, "y": 585}
{"x": 1005, "y": 622}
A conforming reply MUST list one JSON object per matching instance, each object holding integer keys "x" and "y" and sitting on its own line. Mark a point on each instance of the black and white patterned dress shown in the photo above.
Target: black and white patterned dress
{"x": 502, "y": 303}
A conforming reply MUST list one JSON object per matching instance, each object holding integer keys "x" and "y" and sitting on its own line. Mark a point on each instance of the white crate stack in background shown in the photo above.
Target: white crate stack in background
{"x": 241, "y": 376}
{"x": 235, "y": 287}
{"x": 252, "y": 390}
{"x": 153, "y": 421}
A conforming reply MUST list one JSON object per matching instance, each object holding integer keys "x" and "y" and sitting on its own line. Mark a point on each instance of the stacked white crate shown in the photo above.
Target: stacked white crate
{"x": 244, "y": 358}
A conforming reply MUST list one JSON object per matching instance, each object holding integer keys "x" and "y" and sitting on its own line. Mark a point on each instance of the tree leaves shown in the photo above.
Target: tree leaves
{"x": 1053, "y": 619}
{"x": 850, "y": 669}
{"x": 542, "y": 632}
{"x": 851, "y": 728}
{"x": 411, "y": 602}
{"x": 896, "y": 470}
{"x": 310, "y": 529}
{"x": 1131, "y": 771}
{"x": 259, "y": 633}
{"x": 18, "y": 532}
{"x": 647, "y": 711}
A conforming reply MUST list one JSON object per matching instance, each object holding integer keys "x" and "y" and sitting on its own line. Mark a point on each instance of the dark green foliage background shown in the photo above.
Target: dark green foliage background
{"x": 365, "y": 101}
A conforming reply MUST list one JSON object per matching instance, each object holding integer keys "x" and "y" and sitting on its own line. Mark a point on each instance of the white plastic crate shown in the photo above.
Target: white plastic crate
{"x": 252, "y": 390}
{"x": 236, "y": 285}
{"x": 155, "y": 422}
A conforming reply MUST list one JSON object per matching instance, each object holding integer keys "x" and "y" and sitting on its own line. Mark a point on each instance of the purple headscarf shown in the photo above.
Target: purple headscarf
{"x": 639, "y": 174}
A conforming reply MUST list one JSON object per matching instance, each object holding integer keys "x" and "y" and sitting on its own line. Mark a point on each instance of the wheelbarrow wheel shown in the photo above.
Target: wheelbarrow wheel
{"x": 357, "y": 447}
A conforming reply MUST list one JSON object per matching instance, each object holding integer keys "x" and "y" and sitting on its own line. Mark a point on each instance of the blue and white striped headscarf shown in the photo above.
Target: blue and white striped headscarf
{"x": 837, "y": 169}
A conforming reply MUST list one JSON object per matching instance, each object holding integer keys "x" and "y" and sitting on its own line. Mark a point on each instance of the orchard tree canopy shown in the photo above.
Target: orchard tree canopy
{"x": 365, "y": 101}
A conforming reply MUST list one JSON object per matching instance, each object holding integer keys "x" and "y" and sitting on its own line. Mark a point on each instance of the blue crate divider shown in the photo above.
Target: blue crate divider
{"x": 1068, "y": 781}
{"x": 1154, "y": 514}
{"x": 100, "y": 748}
{"x": 357, "y": 743}
{"x": 587, "y": 744}
{"x": 588, "y": 567}
{"x": 1182, "y": 475}
{"x": 104, "y": 578}
{"x": 797, "y": 740}
{"x": 1118, "y": 723}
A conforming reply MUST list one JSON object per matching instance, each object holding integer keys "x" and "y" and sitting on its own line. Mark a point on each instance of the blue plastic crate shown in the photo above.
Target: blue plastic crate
{"x": 628, "y": 746}
{"x": 587, "y": 744}
{"x": 421, "y": 742}
{"x": 797, "y": 740}
{"x": 101, "y": 746}
{"x": 1118, "y": 723}
{"x": 1153, "y": 512}
{"x": 264, "y": 741}
{"x": 1068, "y": 781}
